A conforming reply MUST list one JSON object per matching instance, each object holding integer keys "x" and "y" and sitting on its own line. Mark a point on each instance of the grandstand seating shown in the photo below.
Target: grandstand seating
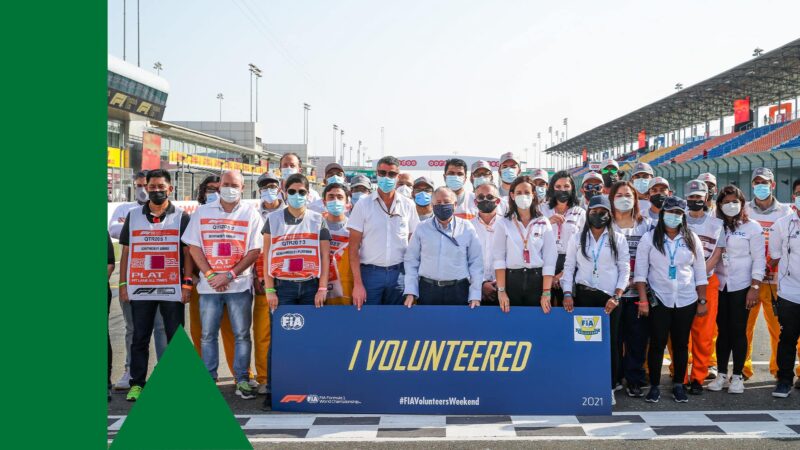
{"x": 655, "y": 154}
{"x": 708, "y": 144}
{"x": 770, "y": 140}
{"x": 667, "y": 157}
{"x": 740, "y": 140}
{"x": 792, "y": 143}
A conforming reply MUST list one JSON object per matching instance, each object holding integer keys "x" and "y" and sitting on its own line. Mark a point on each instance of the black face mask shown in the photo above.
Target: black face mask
{"x": 695, "y": 205}
{"x": 711, "y": 194}
{"x": 487, "y": 206}
{"x": 158, "y": 197}
{"x": 561, "y": 196}
{"x": 589, "y": 194}
{"x": 598, "y": 220}
{"x": 658, "y": 200}
{"x": 609, "y": 179}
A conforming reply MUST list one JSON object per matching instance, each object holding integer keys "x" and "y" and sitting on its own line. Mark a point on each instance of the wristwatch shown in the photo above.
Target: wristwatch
{"x": 501, "y": 289}
{"x": 756, "y": 286}
{"x": 702, "y": 301}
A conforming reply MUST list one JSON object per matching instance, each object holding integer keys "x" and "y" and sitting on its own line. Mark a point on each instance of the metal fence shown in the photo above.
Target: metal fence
{"x": 785, "y": 164}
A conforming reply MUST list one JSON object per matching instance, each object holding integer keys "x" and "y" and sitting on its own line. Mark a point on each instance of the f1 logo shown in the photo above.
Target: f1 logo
{"x": 293, "y": 398}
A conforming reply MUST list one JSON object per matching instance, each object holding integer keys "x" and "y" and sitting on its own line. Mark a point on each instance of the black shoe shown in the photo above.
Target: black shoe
{"x": 267, "y": 406}
{"x": 653, "y": 395}
{"x": 679, "y": 394}
{"x": 634, "y": 390}
{"x": 712, "y": 373}
{"x": 782, "y": 390}
{"x": 696, "y": 388}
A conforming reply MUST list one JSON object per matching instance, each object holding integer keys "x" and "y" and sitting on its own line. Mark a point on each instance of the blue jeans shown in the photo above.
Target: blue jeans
{"x": 296, "y": 292}
{"x": 240, "y": 312}
{"x": 456, "y": 294}
{"x": 383, "y": 284}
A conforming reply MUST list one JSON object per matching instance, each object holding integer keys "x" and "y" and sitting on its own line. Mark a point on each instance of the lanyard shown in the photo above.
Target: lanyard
{"x": 672, "y": 252}
{"x": 451, "y": 238}
{"x": 596, "y": 251}
{"x": 528, "y": 235}
{"x": 388, "y": 212}
{"x": 487, "y": 226}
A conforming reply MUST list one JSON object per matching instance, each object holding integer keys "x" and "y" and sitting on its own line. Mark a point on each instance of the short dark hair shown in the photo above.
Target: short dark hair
{"x": 795, "y": 184}
{"x": 159, "y": 173}
{"x": 140, "y": 174}
{"x": 296, "y": 178}
{"x": 457, "y": 162}
{"x": 732, "y": 223}
{"x": 390, "y": 160}
{"x": 332, "y": 186}
{"x": 299, "y": 159}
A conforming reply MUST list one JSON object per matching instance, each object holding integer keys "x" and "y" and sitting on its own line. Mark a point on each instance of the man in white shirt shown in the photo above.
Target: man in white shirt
{"x": 658, "y": 191}
{"x": 509, "y": 171}
{"x": 422, "y": 193}
{"x": 121, "y": 212}
{"x": 591, "y": 185}
{"x": 487, "y": 202}
{"x": 380, "y": 227}
{"x": 711, "y": 182}
{"x": 291, "y": 164}
{"x": 455, "y": 177}
{"x": 641, "y": 175}
{"x": 334, "y": 173}
{"x": 541, "y": 179}
{"x": 481, "y": 173}
{"x": 610, "y": 174}
{"x": 225, "y": 240}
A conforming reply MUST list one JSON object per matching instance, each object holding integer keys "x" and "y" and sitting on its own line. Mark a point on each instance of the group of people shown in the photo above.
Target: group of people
{"x": 689, "y": 275}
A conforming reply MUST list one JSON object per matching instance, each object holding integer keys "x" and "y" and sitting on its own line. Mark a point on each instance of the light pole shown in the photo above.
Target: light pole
{"x": 550, "y": 130}
{"x": 381, "y": 142}
{"x": 138, "y": 35}
{"x": 358, "y": 154}
{"x": 566, "y": 128}
{"x": 158, "y": 67}
{"x": 341, "y": 139}
{"x": 124, "y": 29}
{"x": 306, "y": 109}
{"x": 253, "y": 71}
{"x": 220, "y": 98}
{"x": 335, "y": 128}
{"x": 258, "y": 75}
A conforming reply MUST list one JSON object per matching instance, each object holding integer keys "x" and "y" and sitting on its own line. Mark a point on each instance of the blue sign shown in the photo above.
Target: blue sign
{"x": 440, "y": 360}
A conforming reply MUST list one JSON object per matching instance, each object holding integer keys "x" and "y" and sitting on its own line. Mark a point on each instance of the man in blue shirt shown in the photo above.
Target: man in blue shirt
{"x": 444, "y": 259}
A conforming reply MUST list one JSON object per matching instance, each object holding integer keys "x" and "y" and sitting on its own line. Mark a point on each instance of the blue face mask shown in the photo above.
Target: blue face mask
{"x": 641, "y": 185}
{"x": 335, "y": 179}
{"x": 797, "y": 202}
{"x": 454, "y": 182}
{"x": 762, "y": 191}
{"x": 672, "y": 220}
{"x": 480, "y": 181}
{"x": 212, "y": 197}
{"x": 335, "y": 207}
{"x": 269, "y": 195}
{"x": 356, "y": 197}
{"x": 422, "y": 198}
{"x": 386, "y": 184}
{"x": 508, "y": 175}
{"x": 286, "y": 172}
{"x": 541, "y": 191}
{"x": 297, "y": 201}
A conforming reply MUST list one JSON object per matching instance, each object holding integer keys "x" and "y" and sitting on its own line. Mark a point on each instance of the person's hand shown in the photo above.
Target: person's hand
{"x": 610, "y": 305}
{"x": 409, "y": 301}
{"x": 546, "y": 305}
{"x": 557, "y": 219}
{"x": 752, "y": 298}
{"x": 123, "y": 293}
{"x": 359, "y": 295}
{"x": 219, "y": 282}
{"x": 259, "y": 287}
{"x": 505, "y": 303}
{"x": 644, "y": 308}
{"x": 557, "y": 279}
{"x": 702, "y": 309}
{"x": 272, "y": 299}
{"x": 474, "y": 304}
{"x": 186, "y": 295}
{"x": 319, "y": 298}
{"x": 487, "y": 288}
{"x": 569, "y": 304}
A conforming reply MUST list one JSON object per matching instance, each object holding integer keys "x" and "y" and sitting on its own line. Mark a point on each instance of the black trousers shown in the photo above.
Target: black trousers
{"x": 592, "y": 298}
{"x": 524, "y": 287}
{"x": 456, "y": 294}
{"x": 108, "y": 335}
{"x": 732, "y": 315}
{"x": 557, "y": 292}
{"x": 669, "y": 323}
{"x": 144, "y": 315}
{"x": 789, "y": 318}
{"x": 634, "y": 334}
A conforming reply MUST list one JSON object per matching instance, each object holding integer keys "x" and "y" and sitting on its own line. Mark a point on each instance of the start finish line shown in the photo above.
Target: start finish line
{"x": 440, "y": 360}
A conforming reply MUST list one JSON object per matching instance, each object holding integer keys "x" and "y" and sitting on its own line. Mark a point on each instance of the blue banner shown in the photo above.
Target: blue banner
{"x": 440, "y": 360}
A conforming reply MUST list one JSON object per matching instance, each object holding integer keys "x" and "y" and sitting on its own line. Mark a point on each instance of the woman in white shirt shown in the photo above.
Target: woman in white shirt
{"x": 634, "y": 325}
{"x": 670, "y": 259}
{"x": 597, "y": 269}
{"x": 566, "y": 217}
{"x": 740, "y": 272}
{"x": 524, "y": 250}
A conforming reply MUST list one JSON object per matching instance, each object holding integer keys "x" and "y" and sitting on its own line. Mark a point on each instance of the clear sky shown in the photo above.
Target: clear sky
{"x": 442, "y": 76}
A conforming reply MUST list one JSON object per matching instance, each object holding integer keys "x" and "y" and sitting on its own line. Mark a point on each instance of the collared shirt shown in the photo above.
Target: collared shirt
{"x": 486, "y": 237}
{"x": 785, "y": 244}
{"x": 425, "y": 217}
{"x": 633, "y": 235}
{"x": 385, "y": 230}
{"x": 653, "y": 267}
{"x": 118, "y": 218}
{"x": 767, "y": 218}
{"x": 242, "y": 211}
{"x": 433, "y": 255}
{"x": 508, "y": 245}
{"x": 746, "y": 259}
{"x": 574, "y": 218}
{"x": 612, "y": 273}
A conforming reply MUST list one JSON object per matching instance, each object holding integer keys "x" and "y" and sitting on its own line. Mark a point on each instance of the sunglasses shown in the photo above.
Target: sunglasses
{"x": 302, "y": 192}
{"x": 418, "y": 190}
{"x": 387, "y": 173}
{"x": 593, "y": 187}
{"x": 611, "y": 171}
{"x": 489, "y": 197}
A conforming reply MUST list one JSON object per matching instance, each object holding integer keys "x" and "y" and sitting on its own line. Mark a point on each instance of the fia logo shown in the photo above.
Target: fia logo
{"x": 311, "y": 398}
{"x": 588, "y": 329}
{"x": 292, "y": 321}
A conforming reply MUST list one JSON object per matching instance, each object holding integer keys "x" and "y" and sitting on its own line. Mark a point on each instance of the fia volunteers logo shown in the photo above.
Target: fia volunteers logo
{"x": 292, "y": 321}
{"x": 588, "y": 329}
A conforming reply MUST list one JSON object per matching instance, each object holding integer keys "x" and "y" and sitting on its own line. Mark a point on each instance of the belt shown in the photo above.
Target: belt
{"x": 525, "y": 270}
{"x": 587, "y": 288}
{"x": 387, "y": 268}
{"x": 442, "y": 283}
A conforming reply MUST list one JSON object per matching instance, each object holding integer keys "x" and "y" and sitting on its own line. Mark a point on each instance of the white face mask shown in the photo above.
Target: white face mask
{"x": 523, "y": 201}
{"x": 141, "y": 195}
{"x": 623, "y": 204}
{"x": 286, "y": 172}
{"x": 404, "y": 190}
{"x": 731, "y": 209}
{"x": 229, "y": 194}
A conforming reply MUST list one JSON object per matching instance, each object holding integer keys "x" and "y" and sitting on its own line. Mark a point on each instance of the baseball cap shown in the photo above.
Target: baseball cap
{"x": 642, "y": 167}
{"x": 267, "y": 176}
{"x": 332, "y": 166}
{"x": 592, "y": 176}
{"x": 541, "y": 174}
{"x": 658, "y": 180}
{"x": 611, "y": 162}
{"x": 479, "y": 164}
{"x": 509, "y": 156}
{"x": 708, "y": 178}
{"x": 672, "y": 203}
{"x": 696, "y": 187}
{"x": 360, "y": 180}
{"x": 425, "y": 180}
{"x": 599, "y": 201}
{"x": 764, "y": 173}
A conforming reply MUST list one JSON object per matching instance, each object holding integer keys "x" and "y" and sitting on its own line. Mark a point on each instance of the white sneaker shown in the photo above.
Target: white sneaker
{"x": 736, "y": 385}
{"x": 124, "y": 383}
{"x": 253, "y": 383}
{"x": 262, "y": 389}
{"x": 719, "y": 383}
{"x": 613, "y": 399}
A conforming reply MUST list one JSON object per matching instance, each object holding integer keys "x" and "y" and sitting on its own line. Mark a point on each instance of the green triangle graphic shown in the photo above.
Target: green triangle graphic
{"x": 180, "y": 407}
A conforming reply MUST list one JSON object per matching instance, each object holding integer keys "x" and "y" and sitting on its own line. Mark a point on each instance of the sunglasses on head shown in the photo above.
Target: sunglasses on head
{"x": 489, "y": 197}
{"x": 387, "y": 173}
{"x": 302, "y": 192}
{"x": 611, "y": 171}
